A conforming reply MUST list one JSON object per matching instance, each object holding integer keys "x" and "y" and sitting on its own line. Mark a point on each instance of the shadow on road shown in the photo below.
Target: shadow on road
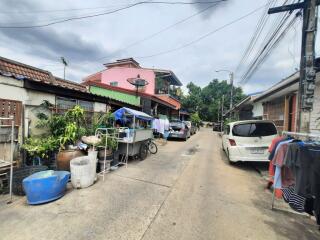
{"x": 260, "y": 167}
{"x": 285, "y": 222}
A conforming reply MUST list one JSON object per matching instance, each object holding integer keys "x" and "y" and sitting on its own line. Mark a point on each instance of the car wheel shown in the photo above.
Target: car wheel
{"x": 228, "y": 156}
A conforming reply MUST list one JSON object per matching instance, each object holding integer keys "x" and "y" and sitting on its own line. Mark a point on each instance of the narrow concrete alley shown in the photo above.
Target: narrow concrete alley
{"x": 187, "y": 191}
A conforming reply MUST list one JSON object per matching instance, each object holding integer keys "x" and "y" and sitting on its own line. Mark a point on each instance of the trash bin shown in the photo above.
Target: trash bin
{"x": 83, "y": 172}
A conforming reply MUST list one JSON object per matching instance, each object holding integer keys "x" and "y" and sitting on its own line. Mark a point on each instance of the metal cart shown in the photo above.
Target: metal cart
{"x": 135, "y": 142}
{"x": 136, "y": 145}
{"x": 131, "y": 142}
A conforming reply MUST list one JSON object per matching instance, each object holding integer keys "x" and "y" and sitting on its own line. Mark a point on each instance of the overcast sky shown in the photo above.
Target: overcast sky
{"x": 88, "y": 43}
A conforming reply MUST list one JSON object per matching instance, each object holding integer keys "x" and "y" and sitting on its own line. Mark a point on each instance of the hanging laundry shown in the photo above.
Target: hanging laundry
{"x": 297, "y": 173}
{"x": 271, "y": 150}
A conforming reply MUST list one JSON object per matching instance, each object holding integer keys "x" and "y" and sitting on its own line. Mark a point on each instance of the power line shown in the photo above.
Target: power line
{"x": 274, "y": 45}
{"x": 163, "y": 30}
{"x": 277, "y": 25}
{"x": 260, "y": 25}
{"x": 111, "y": 12}
{"x": 108, "y": 6}
{"x": 206, "y": 35}
{"x": 63, "y": 10}
{"x": 253, "y": 64}
{"x": 259, "y": 29}
{"x": 57, "y": 18}
{"x": 265, "y": 52}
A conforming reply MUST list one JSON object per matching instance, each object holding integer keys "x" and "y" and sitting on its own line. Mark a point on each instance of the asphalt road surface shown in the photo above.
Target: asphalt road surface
{"x": 186, "y": 191}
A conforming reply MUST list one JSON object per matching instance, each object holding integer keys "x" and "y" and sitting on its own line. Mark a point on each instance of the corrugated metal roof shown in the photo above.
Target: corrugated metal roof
{"x": 119, "y": 96}
{"x": 131, "y": 92}
{"x": 294, "y": 78}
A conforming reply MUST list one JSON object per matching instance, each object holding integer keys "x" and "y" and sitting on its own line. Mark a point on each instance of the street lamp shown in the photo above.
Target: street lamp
{"x": 231, "y": 82}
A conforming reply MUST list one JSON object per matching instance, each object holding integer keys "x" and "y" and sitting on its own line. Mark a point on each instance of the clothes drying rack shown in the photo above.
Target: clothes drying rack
{"x": 4, "y": 161}
{"x": 308, "y": 136}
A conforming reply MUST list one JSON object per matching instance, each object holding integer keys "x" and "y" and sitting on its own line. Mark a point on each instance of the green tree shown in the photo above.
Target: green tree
{"x": 195, "y": 118}
{"x": 192, "y": 100}
{"x": 206, "y": 101}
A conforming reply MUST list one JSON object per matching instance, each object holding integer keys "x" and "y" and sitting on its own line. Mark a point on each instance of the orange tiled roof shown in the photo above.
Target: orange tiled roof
{"x": 170, "y": 100}
{"x": 19, "y": 70}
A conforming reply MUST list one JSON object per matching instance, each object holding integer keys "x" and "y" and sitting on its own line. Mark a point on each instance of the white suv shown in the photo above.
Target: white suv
{"x": 248, "y": 140}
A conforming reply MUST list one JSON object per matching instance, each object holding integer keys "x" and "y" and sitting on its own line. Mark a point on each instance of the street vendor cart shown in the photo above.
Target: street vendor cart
{"x": 132, "y": 135}
{"x": 137, "y": 135}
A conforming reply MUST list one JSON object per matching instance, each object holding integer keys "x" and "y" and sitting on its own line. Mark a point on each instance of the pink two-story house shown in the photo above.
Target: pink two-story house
{"x": 159, "y": 81}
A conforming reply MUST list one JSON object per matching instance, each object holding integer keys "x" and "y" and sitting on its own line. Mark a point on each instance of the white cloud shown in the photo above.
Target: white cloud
{"x": 84, "y": 41}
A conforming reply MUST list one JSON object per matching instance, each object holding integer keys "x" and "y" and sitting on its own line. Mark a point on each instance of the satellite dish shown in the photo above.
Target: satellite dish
{"x": 137, "y": 82}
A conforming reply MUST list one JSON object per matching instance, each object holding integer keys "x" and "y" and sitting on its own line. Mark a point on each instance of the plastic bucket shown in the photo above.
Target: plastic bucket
{"x": 82, "y": 174}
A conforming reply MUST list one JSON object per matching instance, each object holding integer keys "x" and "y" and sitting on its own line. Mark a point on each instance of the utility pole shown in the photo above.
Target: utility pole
{"x": 221, "y": 123}
{"x": 219, "y": 111}
{"x": 231, "y": 91}
{"x": 307, "y": 69}
{"x": 231, "y": 83}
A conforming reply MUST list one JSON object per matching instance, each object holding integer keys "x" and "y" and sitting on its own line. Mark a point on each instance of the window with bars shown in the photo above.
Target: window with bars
{"x": 68, "y": 103}
{"x": 63, "y": 104}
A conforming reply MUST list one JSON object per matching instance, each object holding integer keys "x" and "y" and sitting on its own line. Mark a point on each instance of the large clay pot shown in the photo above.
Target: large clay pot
{"x": 102, "y": 152}
{"x": 64, "y": 157}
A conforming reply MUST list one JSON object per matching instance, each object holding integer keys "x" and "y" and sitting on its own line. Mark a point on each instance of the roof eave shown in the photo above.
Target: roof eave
{"x": 168, "y": 74}
{"x": 271, "y": 91}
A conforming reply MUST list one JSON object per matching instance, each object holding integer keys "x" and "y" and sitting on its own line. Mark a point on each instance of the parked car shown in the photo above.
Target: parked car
{"x": 248, "y": 140}
{"x": 179, "y": 129}
{"x": 216, "y": 127}
{"x": 191, "y": 126}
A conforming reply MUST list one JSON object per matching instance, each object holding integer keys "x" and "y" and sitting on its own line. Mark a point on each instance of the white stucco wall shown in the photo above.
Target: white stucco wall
{"x": 12, "y": 89}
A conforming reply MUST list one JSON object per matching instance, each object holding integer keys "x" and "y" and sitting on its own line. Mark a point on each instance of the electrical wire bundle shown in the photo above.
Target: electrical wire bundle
{"x": 279, "y": 28}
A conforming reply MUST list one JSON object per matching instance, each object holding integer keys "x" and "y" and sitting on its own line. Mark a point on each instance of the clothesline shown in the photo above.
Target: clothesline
{"x": 297, "y": 199}
{"x": 309, "y": 135}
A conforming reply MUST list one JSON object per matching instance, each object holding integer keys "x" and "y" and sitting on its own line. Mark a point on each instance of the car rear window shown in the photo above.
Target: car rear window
{"x": 177, "y": 125}
{"x": 254, "y": 130}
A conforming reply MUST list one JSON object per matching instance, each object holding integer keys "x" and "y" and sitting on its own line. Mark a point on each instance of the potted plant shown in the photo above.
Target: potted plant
{"x": 40, "y": 148}
{"x": 73, "y": 130}
{"x": 107, "y": 151}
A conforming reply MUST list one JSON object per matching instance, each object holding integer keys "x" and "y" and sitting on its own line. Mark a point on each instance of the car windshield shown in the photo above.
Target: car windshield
{"x": 254, "y": 129}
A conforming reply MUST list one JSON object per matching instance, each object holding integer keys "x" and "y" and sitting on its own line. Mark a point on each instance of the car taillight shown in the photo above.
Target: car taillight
{"x": 232, "y": 142}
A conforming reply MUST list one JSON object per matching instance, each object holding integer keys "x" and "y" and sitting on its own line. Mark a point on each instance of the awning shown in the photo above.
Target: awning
{"x": 122, "y": 112}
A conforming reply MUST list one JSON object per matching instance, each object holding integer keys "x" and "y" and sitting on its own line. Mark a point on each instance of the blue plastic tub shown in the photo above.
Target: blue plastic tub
{"x": 45, "y": 186}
